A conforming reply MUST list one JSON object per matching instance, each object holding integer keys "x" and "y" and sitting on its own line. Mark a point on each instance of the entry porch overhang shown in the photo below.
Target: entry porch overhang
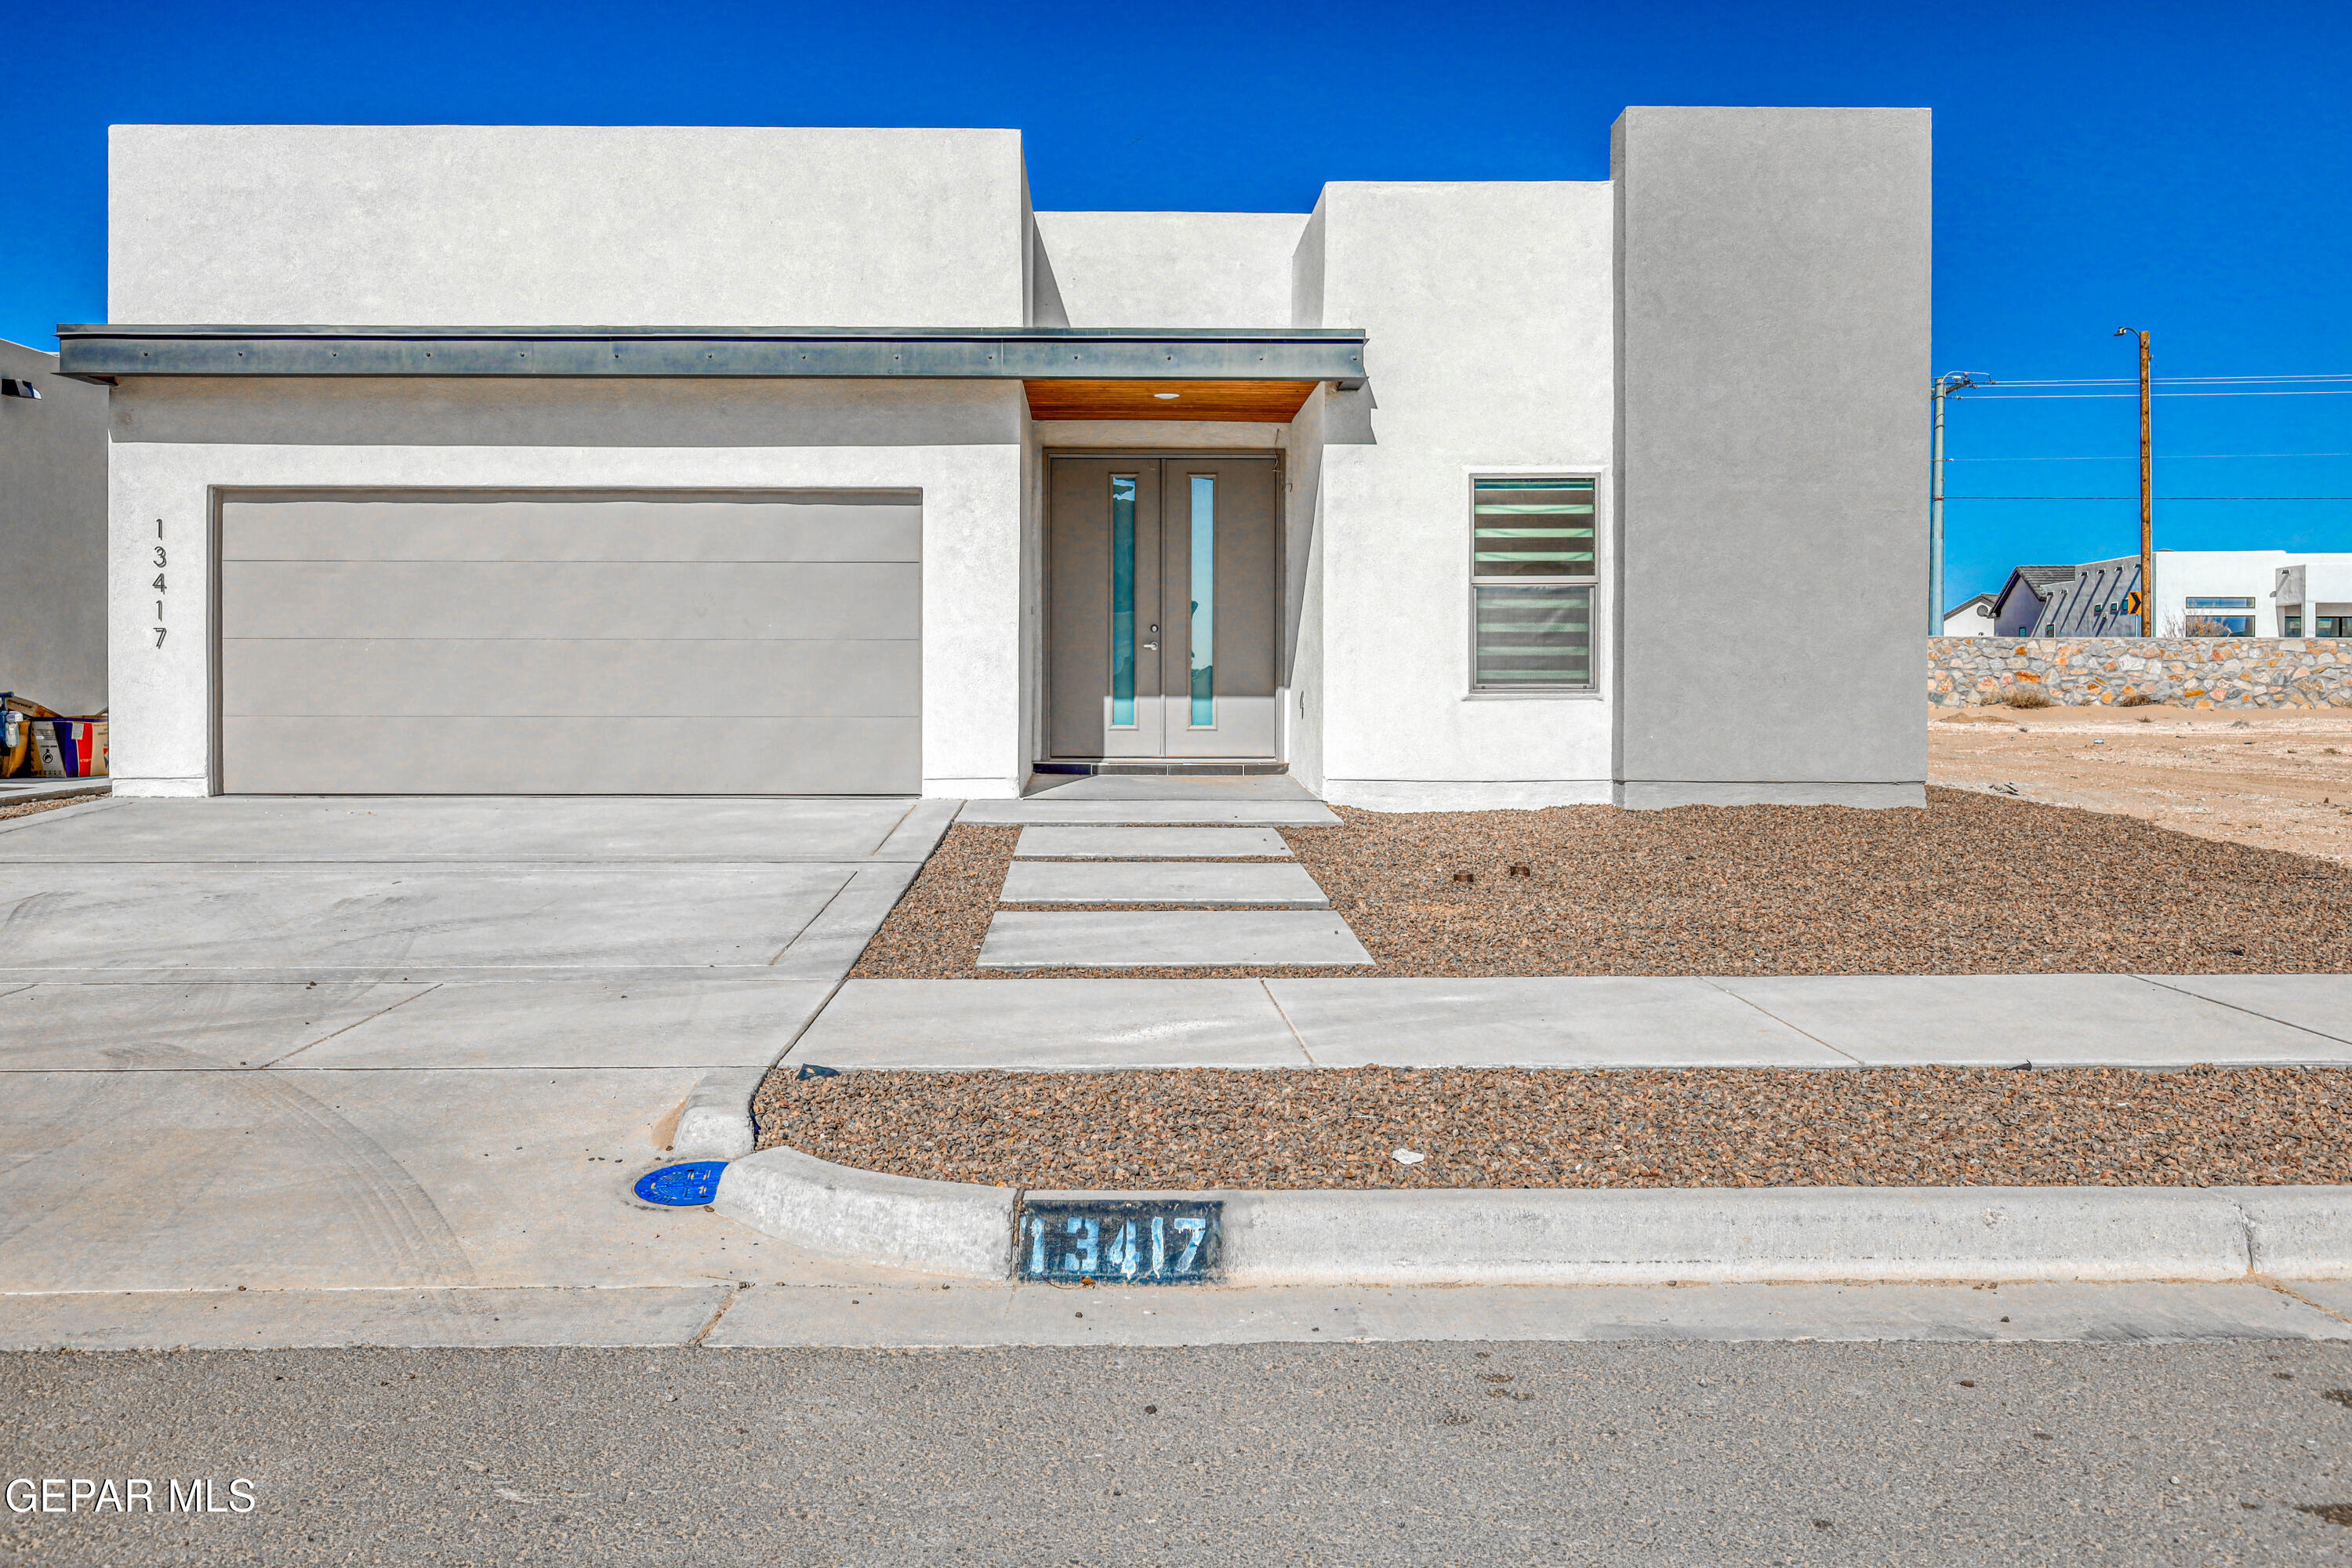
{"x": 1232, "y": 359}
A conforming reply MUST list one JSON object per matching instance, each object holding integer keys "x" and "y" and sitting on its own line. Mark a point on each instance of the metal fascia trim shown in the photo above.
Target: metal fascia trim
{"x": 1033, "y": 354}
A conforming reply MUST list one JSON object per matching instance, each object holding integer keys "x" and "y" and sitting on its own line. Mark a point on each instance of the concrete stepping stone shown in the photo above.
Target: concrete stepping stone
{"x": 1050, "y": 939}
{"x": 1204, "y": 884}
{"x": 1235, "y": 813}
{"x": 1149, "y": 843}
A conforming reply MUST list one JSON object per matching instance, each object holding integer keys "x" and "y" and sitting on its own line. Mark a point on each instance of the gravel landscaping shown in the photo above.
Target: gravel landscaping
{"x": 1340, "y": 1128}
{"x": 1975, "y": 884}
{"x": 34, "y": 807}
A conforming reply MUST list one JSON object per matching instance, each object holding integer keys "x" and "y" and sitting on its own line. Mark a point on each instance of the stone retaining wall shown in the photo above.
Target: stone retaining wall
{"x": 2191, "y": 672}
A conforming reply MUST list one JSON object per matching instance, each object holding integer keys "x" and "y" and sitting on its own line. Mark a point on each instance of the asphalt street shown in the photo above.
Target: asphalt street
{"x": 1460, "y": 1453}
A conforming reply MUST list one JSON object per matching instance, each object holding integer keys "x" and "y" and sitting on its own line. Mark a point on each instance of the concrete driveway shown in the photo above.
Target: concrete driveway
{"x": 403, "y": 1043}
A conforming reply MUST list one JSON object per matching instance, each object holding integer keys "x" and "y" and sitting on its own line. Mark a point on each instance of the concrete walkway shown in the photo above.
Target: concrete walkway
{"x": 260, "y": 1046}
{"x": 1166, "y": 895}
{"x": 1822, "y": 1021}
{"x": 914, "y": 1313}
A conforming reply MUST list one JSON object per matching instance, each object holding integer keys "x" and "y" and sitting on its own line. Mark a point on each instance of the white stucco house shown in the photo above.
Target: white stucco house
{"x": 1970, "y": 617}
{"x": 2207, "y": 592}
{"x": 692, "y": 460}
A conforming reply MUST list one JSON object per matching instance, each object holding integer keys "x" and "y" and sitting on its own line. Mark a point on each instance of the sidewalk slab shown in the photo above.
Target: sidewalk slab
{"x": 1202, "y": 884}
{"x": 909, "y": 1312}
{"x": 327, "y": 1319}
{"x": 1149, "y": 843}
{"x": 2319, "y": 1003}
{"x": 1046, "y": 810}
{"x": 1050, "y": 939}
{"x": 975, "y": 1315}
{"x": 2331, "y": 1295}
{"x": 1566, "y": 1022}
{"x": 2003, "y": 1020}
{"x": 1042, "y": 1025}
{"x": 580, "y": 1024}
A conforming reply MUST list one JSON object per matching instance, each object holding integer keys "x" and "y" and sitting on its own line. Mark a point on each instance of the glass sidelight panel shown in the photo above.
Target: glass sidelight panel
{"x": 1205, "y": 600}
{"x": 1122, "y": 599}
{"x": 1534, "y": 637}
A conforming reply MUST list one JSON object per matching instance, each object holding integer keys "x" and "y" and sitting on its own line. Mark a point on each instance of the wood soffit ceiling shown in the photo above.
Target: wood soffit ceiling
{"x": 1231, "y": 401}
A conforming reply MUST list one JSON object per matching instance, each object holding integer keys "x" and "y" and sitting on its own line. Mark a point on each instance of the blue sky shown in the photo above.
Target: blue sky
{"x": 2187, "y": 168}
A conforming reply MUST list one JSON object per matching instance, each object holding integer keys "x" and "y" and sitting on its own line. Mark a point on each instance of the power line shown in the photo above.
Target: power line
{"x": 1998, "y": 396}
{"x": 2159, "y": 498}
{"x": 2134, "y": 457}
{"x": 2167, "y": 380}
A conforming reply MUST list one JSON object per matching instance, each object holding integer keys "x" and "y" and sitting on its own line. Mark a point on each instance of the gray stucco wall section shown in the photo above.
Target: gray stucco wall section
{"x": 566, "y": 225}
{"x": 1773, "y": 361}
{"x": 1173, "y": 269}
{"x": 52, "y": 537}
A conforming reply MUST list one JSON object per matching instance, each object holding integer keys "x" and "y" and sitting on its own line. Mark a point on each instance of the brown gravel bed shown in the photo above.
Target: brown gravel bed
{"x": 33, "y": 807}
{"x": 1209, "y": 1127}
{"x": 1974, "y": 884}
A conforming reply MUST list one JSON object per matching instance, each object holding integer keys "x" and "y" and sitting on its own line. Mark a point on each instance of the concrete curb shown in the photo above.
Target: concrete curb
{"x": 1649, "y": 1235}
{"x": 17, "y": 793}
{"x": 941, "y": 1227}
{"x": 1611, "y": 1237}
{"x": 717, "y": 1121}
{"x": 2304, "y": 1233}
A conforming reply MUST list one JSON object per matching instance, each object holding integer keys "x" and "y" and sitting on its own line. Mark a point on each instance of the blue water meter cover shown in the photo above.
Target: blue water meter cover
{"x": 682, "y": 1186}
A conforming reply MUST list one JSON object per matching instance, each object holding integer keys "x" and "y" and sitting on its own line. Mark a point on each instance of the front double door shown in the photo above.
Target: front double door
{"x": 1164, "y": 603}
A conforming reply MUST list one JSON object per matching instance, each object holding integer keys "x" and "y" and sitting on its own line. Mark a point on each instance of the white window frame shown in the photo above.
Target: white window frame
{"x": 1605, "y": 530}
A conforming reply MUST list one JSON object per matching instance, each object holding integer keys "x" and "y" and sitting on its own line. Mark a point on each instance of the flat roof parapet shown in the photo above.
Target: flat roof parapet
{"x": 104, "y": 352}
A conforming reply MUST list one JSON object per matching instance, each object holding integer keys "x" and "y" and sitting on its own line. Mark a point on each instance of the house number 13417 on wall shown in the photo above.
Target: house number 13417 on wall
{"x": 1119, "y": 1241}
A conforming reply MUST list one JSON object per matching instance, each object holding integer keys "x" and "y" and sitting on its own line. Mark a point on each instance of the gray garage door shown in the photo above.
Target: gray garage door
{"x": 585, "y": 644}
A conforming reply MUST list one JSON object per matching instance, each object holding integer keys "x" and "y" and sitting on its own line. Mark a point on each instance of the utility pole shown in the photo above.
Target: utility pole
{"x": 2147, "y": 494}
{"x": 1942, "y": 387}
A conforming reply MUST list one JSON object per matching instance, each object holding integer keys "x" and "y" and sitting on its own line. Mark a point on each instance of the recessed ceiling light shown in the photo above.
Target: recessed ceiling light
{"x": 1165, "y": 396}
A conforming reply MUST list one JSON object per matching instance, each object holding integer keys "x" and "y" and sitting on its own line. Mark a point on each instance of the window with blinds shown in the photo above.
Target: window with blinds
{"x": 1534, "y": 568}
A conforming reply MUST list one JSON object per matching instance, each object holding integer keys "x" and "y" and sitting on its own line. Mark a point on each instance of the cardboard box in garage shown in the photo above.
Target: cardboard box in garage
{"x": 70, "y": 748}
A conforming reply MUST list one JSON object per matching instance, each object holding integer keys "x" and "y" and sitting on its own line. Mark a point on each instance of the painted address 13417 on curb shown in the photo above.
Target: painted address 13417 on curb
{"x": 1119, "y": 1241}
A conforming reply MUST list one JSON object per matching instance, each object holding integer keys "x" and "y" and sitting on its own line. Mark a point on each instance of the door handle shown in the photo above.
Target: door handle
{"x": 1152, "y": 646}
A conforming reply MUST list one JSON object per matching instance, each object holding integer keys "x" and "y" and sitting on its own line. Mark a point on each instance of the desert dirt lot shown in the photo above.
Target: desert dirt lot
{"x": 2278, "y": 780}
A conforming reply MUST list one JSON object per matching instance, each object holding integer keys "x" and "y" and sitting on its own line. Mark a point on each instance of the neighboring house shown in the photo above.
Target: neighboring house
{"x": 743, "y": 461}
{"x": 2208, "y": 592}
{"x": 2017, "y": 608}
{"x": 52, "y": 534}
{"x": 1973, "y": 618}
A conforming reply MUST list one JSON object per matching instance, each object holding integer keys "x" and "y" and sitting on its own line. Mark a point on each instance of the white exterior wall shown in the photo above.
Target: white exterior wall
{"x": 1973, "y": 620}
{"x": 565, "y": 225}
{"x": 177, "y": 442}
{"x": 1172, "y": 269}
{"x": 1490, "y": 311}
